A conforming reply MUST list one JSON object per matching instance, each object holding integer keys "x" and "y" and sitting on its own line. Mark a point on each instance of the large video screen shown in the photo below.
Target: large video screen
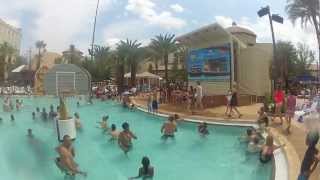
{"x": 210, "y": 64}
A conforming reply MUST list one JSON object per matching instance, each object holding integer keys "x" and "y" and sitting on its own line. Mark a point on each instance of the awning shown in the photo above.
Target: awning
{"x": 20, "y": 68}
{"x": 207, "y": 33}
{"x": 146, "y": 75}
{"x": 305, "y": 78}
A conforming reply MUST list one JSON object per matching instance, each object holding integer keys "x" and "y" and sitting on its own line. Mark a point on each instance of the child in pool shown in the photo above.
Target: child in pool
{"x": 33, "y": 115}
{"x": 12, "y": 118}
{"x": 104, "y": 123}
{"x": 114, "y": 133}
{"x": 77, "y": 120}
{"x": 254, "y": 146}
{"x": 202, "y": 129}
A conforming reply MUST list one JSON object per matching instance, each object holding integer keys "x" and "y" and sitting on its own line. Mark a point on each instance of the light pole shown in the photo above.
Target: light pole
{"x": 94, "y": 30}
{"x": 274, "y": 17}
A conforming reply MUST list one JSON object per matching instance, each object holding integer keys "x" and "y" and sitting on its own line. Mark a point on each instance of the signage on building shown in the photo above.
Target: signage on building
{"x": 210, "y": 64}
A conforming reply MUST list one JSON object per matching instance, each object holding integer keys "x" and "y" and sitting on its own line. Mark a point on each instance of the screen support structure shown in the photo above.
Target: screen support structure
{"x": 68, "y": 74}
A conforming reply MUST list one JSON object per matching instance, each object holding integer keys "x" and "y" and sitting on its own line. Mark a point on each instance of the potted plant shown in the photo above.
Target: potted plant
{"x": 65, "y": 124}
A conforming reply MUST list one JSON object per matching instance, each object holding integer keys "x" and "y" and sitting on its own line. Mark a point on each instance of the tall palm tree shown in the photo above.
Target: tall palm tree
{"x": 133, "y": 54}
{"x": 102, "y": 62}
{"x": 121, "y": 57}
{"x": 307, "y": 11}
{"x": 164, "y": 44}
{"x": 153, "y": 55}
{"x": 7, "y": 56}
{"x": 40, "y": 45}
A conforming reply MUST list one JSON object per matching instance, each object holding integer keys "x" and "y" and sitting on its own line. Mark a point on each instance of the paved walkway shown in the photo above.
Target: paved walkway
{"x": 295, "y": 142}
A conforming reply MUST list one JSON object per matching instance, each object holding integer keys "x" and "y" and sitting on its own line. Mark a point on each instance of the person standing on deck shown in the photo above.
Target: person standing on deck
{"x": 278, "y": 99}
{"x": 290, "y": 109}
{"x": 199, "y": 96}
{"x": 234, "y": 104}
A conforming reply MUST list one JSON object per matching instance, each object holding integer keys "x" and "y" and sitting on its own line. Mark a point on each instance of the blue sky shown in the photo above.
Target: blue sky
{"x": 63, "y": 22}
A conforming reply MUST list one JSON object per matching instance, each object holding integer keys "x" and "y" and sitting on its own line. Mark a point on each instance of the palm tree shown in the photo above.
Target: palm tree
{"x": 307, "y": 11}
{"x": 164, "y": 44}
{"x": 133, "y": 53}
{"x": 7, "y": 56}
{"x": 102, "y": 62}
{"x": 153, "y": 55}
{"x": 121, "y": 57}
{"x": 40, "y": 45}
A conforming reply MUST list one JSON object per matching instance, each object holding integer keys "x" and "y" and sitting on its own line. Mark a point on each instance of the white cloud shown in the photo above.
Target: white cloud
{"x": 145, "y": 9}
{"x": 177, "y": 8}
{"x": 131, "y": 29}
{"x": 224, "y": 21}
{"x": 57, "y": 23}
{"x": 285, "y": 32}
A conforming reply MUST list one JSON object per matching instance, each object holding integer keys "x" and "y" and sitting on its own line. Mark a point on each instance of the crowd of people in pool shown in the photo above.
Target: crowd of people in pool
{"x": 256, "y": 143}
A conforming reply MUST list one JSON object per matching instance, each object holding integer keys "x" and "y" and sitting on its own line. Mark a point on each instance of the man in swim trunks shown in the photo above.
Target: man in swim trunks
{"x": 169, "y": 128}
{"x": 125, "y": 137}
{"x": 65, "y": 161}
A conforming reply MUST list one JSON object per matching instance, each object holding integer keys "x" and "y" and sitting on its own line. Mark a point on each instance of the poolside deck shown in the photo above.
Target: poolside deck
{"x": 295, "y": 142}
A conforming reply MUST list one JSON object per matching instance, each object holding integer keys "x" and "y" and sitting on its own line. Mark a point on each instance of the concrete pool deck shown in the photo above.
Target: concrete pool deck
{"x": 295, "y": 142}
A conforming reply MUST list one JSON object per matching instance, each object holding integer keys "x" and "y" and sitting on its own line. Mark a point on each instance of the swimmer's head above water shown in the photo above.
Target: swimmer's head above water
{"x": 66, "y": 141}
{"x": 105, "y": 118}
{"x": 30, "y": 132}
{"x": 113, "y": 127}
{"x": 125, "y": 126}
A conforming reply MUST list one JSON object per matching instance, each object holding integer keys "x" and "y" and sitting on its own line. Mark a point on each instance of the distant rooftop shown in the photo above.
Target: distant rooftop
{"x": 234, "y": 29}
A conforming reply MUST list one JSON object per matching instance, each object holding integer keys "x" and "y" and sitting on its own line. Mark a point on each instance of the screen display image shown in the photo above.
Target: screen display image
{"x": 210, "y": 63}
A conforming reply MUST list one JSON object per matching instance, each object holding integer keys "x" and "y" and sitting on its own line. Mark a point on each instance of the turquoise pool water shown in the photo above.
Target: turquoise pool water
{"x": 220, "y": 156}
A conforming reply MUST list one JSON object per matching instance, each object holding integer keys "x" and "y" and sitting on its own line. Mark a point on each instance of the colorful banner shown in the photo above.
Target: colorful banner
{"x": 211, "y": 64}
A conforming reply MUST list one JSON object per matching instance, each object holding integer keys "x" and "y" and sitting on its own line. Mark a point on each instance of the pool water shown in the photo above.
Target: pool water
{"x": 219, "y": 156}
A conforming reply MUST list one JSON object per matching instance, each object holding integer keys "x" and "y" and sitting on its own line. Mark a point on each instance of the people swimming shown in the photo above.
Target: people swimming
{"x": 125, "y": 138}
{"x": 104, "y": 123}
{"x": 52, "y": 114}
{"x": 78, "y": 104}
{"x": 146, "y": 171}
{"x": 18, "y": 105}
{"x": 113, "y": 133}
{"x": 6, "y": 105}
{"x": 311, "y": 156}
{"x": 251, "y": 133}
{"x": 38, "y": 113}
{"x": 44, "y": 114}
{"x": 77, "y": 121}
{"x": 203, "y": 129}
{"x": 30, "y": 134}
{"x": 12, "y": 118}
{"x": 33, "y": 116}
{"x": 65, "y": 161}
{"x": 254, "y": 145}
{"x": 168, "y": 128}
{"x": 267, "y": 150}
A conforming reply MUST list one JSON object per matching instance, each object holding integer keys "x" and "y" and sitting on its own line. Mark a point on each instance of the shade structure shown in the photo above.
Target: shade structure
{"x": 146, "y": 75}
{"x": 20, "y": 68}
{"x": 145, "y": 81}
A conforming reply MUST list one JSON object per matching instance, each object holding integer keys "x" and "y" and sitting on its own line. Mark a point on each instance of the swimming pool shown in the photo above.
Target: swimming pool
{"x": 188, "y": 157}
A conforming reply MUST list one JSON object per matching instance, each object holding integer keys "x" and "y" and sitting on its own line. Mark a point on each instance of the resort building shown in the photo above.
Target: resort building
{"x": 172, "y": 59}
{"x": 224, "y": 58}
{"x": 47, "y": 59}
{"x": 10, "y": 34}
